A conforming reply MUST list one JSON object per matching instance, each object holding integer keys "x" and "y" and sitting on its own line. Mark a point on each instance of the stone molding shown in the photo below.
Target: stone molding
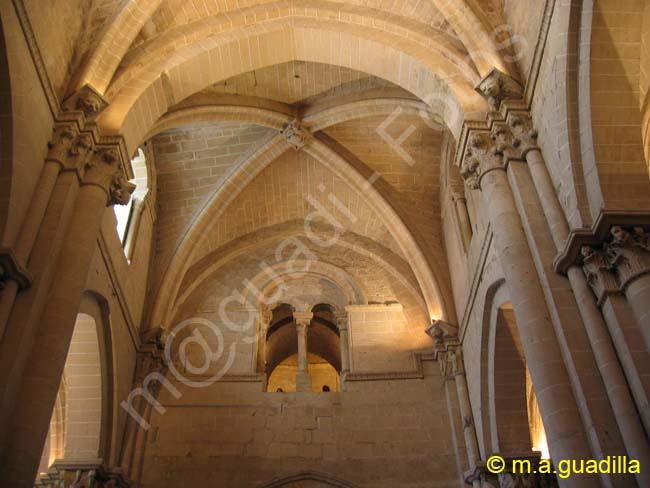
{"x": 416, "y": 374}
{"x": 11, "y": 269}
{"x": 375, "y": 307}
{"x": 37, "y": 58}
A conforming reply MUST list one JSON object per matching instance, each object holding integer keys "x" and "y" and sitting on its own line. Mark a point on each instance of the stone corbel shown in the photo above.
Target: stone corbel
{"x": 86, "y": 100}
{"x": 497, "y": 86}
{"x": 11, "y": 269}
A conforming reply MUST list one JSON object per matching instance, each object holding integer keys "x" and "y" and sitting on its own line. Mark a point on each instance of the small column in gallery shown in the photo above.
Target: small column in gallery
{"x": 303, "y": 379}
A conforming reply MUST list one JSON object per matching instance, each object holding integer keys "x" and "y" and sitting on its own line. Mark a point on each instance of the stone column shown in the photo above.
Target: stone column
{"x": 460, "y": 204}
{"x": 629, "y": 254}
{"x": 627, "y": 338}
{"x": 484, "y": 167}
{"x": 260, "y": 366}
{"x": 25, "y": 310}
{"x": 448, "y": 353}
{"x": 525, "y": 140}
{"x": 344, "y": 340}
{"x": 103, "y": 184}
{"x": 303, "y": 379}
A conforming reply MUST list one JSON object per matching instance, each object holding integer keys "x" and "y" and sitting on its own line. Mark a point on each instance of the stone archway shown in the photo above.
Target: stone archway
{"x": 307, "y": 479}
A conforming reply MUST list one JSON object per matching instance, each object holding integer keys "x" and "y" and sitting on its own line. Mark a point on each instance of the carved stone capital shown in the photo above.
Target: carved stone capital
{"x": 629, "y": 254}
{"x": 507, "y": 478}
{"x": 151, "y": 355}
{"x": 86, "y": 100}
{"x": 524, "y": 134}
{"x": 303, "y": 319}
{"x": 105, "y": 171}
{"x": 446, "y": 347}
{"x": 11, "y": 269}
{"x": 599, "y": 272}
{"x": 498, "y": 86}
{"x": 505, "y": 141}
{"x": 482, "y": 155}
{"x": 82, "y": 474}
{"x": 342, "y": 320}
{"x": 295, "y": 135}
{"x": 456, "y": 360}
{"x": 68, "y": 148}
{"x": 469, "y": 170}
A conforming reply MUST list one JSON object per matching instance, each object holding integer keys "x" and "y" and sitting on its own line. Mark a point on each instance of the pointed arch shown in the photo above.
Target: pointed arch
{"x": 325, "y": 479}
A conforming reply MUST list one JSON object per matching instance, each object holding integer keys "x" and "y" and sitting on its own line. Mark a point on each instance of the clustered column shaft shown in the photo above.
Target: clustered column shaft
{"x": 484, "y": 168}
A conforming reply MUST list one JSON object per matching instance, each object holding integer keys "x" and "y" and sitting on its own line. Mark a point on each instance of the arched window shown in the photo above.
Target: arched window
{"x": 128, "y": 216}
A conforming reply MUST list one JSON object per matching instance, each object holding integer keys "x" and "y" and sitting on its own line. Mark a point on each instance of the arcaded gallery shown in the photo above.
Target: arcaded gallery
{"x": 324, "y": 243}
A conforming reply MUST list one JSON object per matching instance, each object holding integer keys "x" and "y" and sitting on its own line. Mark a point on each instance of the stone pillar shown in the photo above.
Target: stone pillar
{"x": 25, "y": 310}
{"x": 303, "y": 379}
{"x": 344, "y": 340}
{"x": 484, "y": 167}
{"x": 103, "y": 184}
{"x": 67, "y": 150}
{"x": 525, "y": 140}
{"x": 460, "y": 204}
{"x": 448, "y": 353}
